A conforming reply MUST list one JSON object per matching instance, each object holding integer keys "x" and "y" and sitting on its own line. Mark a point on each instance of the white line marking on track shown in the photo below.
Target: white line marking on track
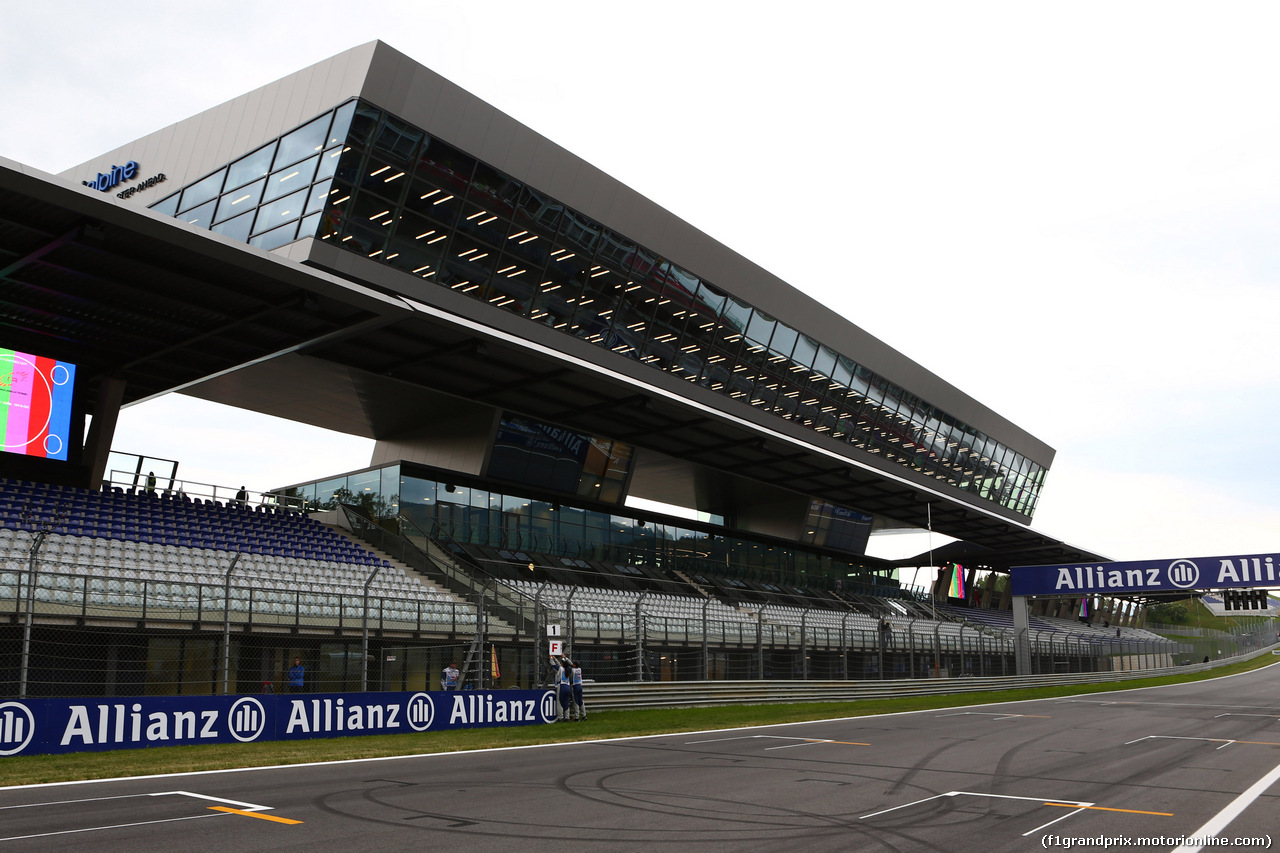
{"x": 223, "y": 800}
{"x": 1219, "y": 822}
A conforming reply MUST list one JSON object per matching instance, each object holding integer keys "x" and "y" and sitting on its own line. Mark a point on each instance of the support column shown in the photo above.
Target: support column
{"x": 1021, "y": 636}
{"x": 102, "y": 430}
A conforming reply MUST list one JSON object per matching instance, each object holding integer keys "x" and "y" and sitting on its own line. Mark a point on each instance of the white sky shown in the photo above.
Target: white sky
{"x": 1067, "y": 210}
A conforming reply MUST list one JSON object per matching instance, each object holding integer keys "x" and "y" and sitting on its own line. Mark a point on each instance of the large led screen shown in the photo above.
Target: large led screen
{"x": 35, "y": 404}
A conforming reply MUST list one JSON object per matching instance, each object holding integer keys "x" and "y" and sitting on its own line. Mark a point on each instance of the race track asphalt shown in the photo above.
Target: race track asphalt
{"x": 1115, "y": 768}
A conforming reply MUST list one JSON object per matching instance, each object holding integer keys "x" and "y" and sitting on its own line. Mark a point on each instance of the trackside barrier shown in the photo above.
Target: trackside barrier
{"x": 675, "y": 694}
{"x": 53, "y": 726}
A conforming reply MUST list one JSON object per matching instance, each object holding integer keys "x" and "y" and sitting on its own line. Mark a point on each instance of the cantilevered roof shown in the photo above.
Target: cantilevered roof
{"x": 166, "y": 307}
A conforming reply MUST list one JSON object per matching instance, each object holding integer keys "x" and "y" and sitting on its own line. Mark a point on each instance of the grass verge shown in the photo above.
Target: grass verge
{"x": 39, "y": 769}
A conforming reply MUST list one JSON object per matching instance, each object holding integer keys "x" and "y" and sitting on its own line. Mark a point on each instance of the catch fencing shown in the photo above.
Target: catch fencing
{"x": 75, "y": 622}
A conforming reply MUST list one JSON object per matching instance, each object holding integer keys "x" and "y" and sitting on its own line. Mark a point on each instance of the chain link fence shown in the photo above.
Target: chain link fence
{"x": 75, "y": 621}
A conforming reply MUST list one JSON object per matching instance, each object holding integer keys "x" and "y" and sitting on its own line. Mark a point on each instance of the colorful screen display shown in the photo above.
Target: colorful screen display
{"x": 35, "y": 404}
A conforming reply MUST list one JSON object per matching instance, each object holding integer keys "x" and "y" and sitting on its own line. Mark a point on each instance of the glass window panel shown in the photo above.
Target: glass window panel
{"x": 369, "y": 221}
{"x": 468, "y": 266}
{"x": 276, "y": 238}
{"x": 531, "y": 246}
{"x": 167, "y": 206}
{"x": 579, "y": 233}
{"x": 306, "y": 141}
{"x": 483, "y": 223}
{"x": 493, "y": 190}
{"x": 341, "y": 126}
{"x": 203, "y": 190}
{"x": 554, "y": 299}
{"x": 363, "y": 123}
{"x": 274, "y": 213}
{"x": 397, "y": 141}
{"x": 538, "y": 212}
{"x": 440, "y": 205}
{"x": 825, "y": 362}
{"x": 251, "y": 167}
{"x": 291, "y": 178}
{"x": 760, "y": 329}
{"x": 316, "y": 196}
{"x": 736, "y": 315}
{"x": 416, "y": 246}
{"x": 334, "y": 212}
{"x": 511, "y": 286}
{"x": 329, "y": 164}
{"x": 386, "y": 179}
{"x": 805, "y": 352}
{"x": 712, "y": 300}
{"x": 310, "y": 225}
{"x": 616, "y": 251}
{"x": 350, "y": 165}
{"x": 237, "y": 229}
{"x": 784, "y": 340}
{"x": 202, "y": 216}
{"x": 415, "y": 490}
{"x": 238, "y": 201}
{"x": 444, "y": 166}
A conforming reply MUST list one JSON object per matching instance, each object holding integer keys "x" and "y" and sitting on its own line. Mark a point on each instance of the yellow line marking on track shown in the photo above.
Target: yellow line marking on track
{"x": 1105, "y": 809}
{"x": 253, "y": 814}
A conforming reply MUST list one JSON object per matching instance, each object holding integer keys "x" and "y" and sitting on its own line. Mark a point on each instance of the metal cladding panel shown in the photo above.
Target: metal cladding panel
{"x": 190, "y": 149}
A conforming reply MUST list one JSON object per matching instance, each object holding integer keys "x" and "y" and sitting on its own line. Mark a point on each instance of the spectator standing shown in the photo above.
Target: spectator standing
{"x": 295, "y": 677}
{"x": 449, "y": 677}
{"x": 576, "y": 680}
{"x": 564, "y": 686}
{"x": 242, "y": 497}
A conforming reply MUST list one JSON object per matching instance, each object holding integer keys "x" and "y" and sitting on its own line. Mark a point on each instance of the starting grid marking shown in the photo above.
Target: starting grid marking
{"x": 806, "y": 741}
{"x": 1224, "y": 741}
{"x": 996, "y": 716}
{"x": 1075, "y": 806}
{"x": 225, "y": 806}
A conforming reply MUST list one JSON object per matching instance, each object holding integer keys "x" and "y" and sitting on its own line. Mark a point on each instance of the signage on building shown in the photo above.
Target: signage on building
{"x": 1177, "y": 575}
{"x": 50, "y": 726}
{"x": 113, "y": 178}
{"x": 106, "y": 181}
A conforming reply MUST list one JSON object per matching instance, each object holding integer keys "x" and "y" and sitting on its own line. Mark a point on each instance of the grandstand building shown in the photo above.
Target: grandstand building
{"x": 366, "y": 247}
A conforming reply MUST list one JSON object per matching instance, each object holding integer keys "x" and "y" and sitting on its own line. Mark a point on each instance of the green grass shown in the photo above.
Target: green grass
{"x": 36, "y": 769}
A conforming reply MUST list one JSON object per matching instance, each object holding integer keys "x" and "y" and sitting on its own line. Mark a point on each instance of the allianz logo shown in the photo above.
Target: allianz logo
{"x": 17, "y": 726}
{"x": 120, "y": 724}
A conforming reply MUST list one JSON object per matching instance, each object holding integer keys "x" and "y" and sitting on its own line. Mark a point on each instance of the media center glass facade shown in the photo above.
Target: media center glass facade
{"x": 454, "y": 510}
{"x": 363, "y": 179}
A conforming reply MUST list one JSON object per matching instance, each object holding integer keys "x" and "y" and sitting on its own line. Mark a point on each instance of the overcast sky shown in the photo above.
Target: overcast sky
{"x": 1067, "y": 210}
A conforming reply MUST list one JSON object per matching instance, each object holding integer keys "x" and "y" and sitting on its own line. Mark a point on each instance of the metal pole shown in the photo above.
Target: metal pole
{"x": 364, "y": 632}
{"x": 226, "y": 625}
{"x": 569, "y": 620}
{"x": 539, "y": 631}
{"x": 706, "y": 645}
{"x": 26, "y": 624}
{"x": 844, "y": 645}
{"x": 640, "y": 637}
{"x": 804, "y": 645}
{"x": 760, "y": 642}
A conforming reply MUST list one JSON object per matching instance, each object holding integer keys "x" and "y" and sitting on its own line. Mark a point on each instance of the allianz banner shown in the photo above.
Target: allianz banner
{"x": 49, "y": 726}
{"x": 1235, "y": 571}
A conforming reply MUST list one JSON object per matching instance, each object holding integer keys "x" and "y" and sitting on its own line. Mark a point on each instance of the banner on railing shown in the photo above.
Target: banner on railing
{"x": 50, "y": 726}
{"x": 1179, "y": 575}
